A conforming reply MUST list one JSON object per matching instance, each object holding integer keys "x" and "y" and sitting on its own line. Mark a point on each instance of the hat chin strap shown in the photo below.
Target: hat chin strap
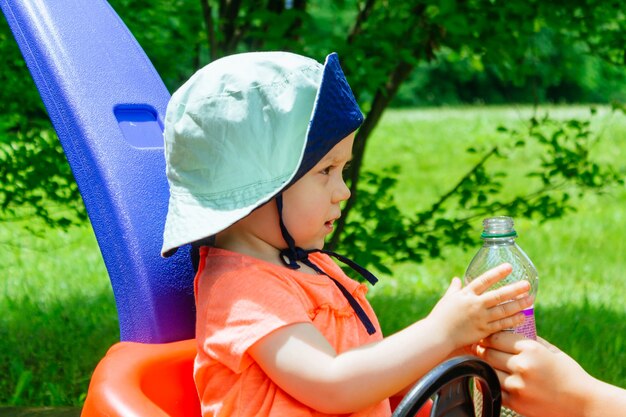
{"x": 294, "y": 254}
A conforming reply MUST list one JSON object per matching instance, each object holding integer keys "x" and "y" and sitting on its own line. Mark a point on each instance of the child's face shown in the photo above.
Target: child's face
{"x": 311, "y": 204}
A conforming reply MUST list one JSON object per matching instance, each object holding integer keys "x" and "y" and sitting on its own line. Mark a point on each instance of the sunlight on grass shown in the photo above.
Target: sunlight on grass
{"x": 58, "y": 315}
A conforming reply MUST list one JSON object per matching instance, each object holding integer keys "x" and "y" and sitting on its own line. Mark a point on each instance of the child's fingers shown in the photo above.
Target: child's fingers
{"x": 486, "y": 280}
{"x": 455, "y": 286}
{"x": 506, "y": 293}
{"x": 506, "y": 322}
{"x": 504, "y": 310}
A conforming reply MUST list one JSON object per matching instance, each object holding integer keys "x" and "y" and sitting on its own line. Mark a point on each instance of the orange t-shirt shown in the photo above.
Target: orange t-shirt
{"x": 241, "y": 299}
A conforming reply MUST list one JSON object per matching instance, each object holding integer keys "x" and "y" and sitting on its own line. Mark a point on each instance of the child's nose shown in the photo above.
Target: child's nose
{"x": 342, "y": 192}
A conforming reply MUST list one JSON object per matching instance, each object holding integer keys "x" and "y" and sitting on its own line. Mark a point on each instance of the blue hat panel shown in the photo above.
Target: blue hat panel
{"x": 335, "y": 116}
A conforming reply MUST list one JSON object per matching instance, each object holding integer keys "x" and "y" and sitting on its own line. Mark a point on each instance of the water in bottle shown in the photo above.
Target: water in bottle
{"x": 499, "y": 247}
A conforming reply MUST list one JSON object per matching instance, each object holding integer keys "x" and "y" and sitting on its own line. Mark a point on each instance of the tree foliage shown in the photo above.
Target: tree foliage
{"x": 36, "y": 180}
{"x": 564, "y": 171}
{"x": 382, "y": 45}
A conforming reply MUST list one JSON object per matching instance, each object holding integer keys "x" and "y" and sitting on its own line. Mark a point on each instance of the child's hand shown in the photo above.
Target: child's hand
{"x": 470, "y": 314}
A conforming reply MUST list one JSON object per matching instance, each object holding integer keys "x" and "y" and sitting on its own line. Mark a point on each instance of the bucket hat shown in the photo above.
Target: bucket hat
{"x": 241, "y": 130}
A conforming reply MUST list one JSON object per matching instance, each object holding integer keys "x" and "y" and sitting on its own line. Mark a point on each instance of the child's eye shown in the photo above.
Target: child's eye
{"x": 326, "y": 170}
{"x": 347, "y": 166}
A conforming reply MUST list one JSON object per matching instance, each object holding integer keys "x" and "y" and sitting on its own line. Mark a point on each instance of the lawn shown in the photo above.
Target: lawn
{"x": 58, "y": 312}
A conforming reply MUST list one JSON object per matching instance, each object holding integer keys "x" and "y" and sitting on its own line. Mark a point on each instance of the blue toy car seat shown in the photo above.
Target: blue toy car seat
{"x": 107, "y": 102}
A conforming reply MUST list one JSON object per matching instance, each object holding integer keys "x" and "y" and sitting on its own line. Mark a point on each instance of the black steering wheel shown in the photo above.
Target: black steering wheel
{"x": 451, "y": 384}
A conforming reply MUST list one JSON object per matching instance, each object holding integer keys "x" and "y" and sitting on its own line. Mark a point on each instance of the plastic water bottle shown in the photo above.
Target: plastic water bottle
{"x": 499, "y": 247}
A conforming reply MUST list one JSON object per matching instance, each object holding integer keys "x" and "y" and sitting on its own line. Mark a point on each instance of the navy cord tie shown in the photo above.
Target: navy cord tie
{"x": 294, "y": 254}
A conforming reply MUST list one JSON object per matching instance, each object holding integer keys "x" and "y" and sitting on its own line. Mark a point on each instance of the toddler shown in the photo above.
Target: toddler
{"x": 255, "y": 146}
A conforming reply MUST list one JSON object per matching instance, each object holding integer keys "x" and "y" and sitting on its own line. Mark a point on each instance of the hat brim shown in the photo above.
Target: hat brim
{"x": 200, "y": 222}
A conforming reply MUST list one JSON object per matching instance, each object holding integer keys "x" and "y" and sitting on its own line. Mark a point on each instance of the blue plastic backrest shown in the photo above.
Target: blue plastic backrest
{"x": 107, "y": 103}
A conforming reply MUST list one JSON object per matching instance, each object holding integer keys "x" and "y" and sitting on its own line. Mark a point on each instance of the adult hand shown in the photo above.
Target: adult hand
{"x": 538, "y": 379}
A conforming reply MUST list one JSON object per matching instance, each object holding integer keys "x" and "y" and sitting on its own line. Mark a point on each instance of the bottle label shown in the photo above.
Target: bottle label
{"x": 528, "y": 329}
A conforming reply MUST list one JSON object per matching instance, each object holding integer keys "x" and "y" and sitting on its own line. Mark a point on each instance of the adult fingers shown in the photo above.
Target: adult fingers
{"x": 499, "y": 360}
{"x": 502, "y": 376}
{"x": 509, "y": 342}
{"x": 506, "y": 398}
{"x": 486, "y": 280}
{"x": 548, "y": 345}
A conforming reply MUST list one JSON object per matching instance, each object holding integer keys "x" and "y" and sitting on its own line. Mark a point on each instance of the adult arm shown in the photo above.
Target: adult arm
{"x": 538, "y": 379}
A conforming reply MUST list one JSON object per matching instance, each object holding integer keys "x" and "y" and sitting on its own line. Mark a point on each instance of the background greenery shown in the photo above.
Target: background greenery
{"x": 58, "y": 313}
{"x": 425, "y": 179}
{"x": 417, "y": 52}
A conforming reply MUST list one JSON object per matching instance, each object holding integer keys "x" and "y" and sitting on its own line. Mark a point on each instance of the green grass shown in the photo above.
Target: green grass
{"x": 58, "y": 316}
